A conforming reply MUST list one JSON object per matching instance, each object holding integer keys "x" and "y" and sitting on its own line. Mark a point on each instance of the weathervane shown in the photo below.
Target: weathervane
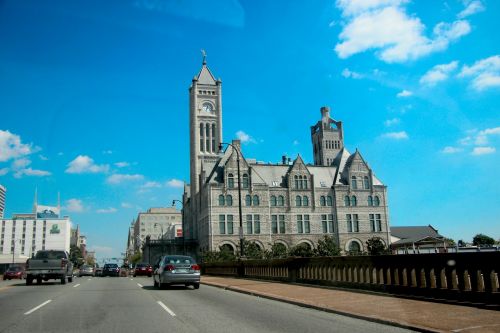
{"x": 204, "y": 54}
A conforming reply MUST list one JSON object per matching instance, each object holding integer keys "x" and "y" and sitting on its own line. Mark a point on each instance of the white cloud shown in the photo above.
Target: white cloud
{"x": 396, "y": 135}
{"x": 122, "y": 164}
{"x": 34, "y": 172}
{"x": 11, "y": 146}
{"x": 108, "y": 210}
{"x": 483, "y": 151}
{"x": 404, "y": 93}
{"x": 151, "y": 185}
{"x": 85, "y": 164}
{"x": 107, "y": 152}
{"x": 296, "y": 142}
{"x": 244, "y": 137}
{"x": 451, "y": 150}
{"x": 126, "y": 205}
{"x": 384, "y": 26}
{"x": 4, "y": 171}
{"x": 21, "y": 163}
{"x": 485, "y": 73}
{"x": 176, "y": 183}
{"x": 438, "y": 73}
{"x": 391, "y": 122}
{"x": 472, "y": 8}
{"x": 348, "y": 74}
{"x": 120, "y": 178}
{"x": 43, "y": 158}
{"x": 74, "y": 206}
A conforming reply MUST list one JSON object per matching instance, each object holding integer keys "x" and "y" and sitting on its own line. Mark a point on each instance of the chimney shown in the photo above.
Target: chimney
{"x": 283, "y": 159}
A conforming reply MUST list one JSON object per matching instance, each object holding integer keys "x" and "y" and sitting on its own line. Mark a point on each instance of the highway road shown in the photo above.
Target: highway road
{"x": 96, "y": 304}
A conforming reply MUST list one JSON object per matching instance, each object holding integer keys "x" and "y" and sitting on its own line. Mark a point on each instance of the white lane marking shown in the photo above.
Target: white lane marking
{"x": 140, "y": 285}
{"x": 38, "y": 307}
{"x": 131, "y": 279}
{"x": 89, "y": 279}
{"x": 166, "y": 308}
{"x": 76, "y": 285}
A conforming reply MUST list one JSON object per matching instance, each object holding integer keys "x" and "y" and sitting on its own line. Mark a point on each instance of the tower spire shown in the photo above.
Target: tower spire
{"x": 204, "y": 54}
{"x": 35, "y": 202}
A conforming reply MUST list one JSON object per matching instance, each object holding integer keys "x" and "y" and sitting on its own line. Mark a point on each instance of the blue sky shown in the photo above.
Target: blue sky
{"x": 94, "y": 100}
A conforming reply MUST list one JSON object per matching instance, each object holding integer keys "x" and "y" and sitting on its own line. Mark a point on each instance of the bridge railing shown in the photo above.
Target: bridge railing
{"x": 468, "y": 277}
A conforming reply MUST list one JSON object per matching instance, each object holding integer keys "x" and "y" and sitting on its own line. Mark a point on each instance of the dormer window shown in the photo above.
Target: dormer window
{"x": 354, "y": 183}
{"x": 366, "y": 183}
{"x": 230, "y": 180}
{"x": 245, "y": 181}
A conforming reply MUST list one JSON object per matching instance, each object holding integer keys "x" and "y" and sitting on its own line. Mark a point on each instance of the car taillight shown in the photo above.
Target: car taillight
{"x": 169, "y": 267}
{"x": 195, "y": 267}
{"x": 63, "y": 263}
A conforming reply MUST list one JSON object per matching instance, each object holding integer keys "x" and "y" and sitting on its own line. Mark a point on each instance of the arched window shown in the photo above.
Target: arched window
{"x": 227, "y": 248}
{"x": 229, "y": 200}
{"x": 213, "y": 138}
{"x": 248, "y": 200}
{"x": 370, "y": 200}
{"x": 245, "y": 181}
{"x": 354, "y": 201}
{"x": 366, "y": 183}
{"x": 354, "y": 247}
{"x": 296, "y": 178}
{"x": 376, "y": 201}
{"x": 230, "y": 180}
{"x": 329, "y": 201}
{"x": 354, "y": 183}
{"x": 305, "y": 182}
{"x": 322, "y": 201}
{"x": 298, "y": 201}
{"x": 255, "y": 201}
{"x": 207, "y": 138}
{"x": 305, "y": 201}
{"x": 202, "y": 132}
{"x": 347, "y": 201}
{"x": 221, "y": 200}
{"x": 281, "y": 200}
{"x": 273, "y": 200}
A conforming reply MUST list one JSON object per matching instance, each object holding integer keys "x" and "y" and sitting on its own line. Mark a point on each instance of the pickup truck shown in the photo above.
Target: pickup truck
{"x": 49, "y": 264}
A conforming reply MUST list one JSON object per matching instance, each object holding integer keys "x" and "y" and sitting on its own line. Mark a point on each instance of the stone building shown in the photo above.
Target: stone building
{"x": 155, "y": 223}
{"x": 289, "y": 203}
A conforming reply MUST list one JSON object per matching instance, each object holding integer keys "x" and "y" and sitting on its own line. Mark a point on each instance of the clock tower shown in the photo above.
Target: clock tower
{"x": 205, "y": 124}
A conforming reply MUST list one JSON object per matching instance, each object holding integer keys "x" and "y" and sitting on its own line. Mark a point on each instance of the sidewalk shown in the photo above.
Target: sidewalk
{"x": 407, "y": 313}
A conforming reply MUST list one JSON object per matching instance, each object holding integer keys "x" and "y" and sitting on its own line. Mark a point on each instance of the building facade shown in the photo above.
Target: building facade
{"x": 3, "y": 192}
{"x": 287, "y": 203}
{"x": 156, "y": 223}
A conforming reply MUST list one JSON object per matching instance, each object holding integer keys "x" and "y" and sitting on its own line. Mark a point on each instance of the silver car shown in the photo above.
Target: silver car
{"x": 176, "y": 269}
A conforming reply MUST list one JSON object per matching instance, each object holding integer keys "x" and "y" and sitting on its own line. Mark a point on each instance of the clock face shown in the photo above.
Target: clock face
{"x": 207, "y": 107}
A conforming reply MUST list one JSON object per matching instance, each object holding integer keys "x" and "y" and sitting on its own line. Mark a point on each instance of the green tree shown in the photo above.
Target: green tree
{"x": 482, "y": 240}
{"x": 251, "y": 250}
{"x": 76, "y": 256}
{"x": 301, "y": 250}
{"x": 135, "y": 258}
{"x": 278, "y": 250}
{"x": 327, "y": 247}
{"x": 376, "y": 247}
{"x": 450, "y": 242}
{"x": 90, "y": 261}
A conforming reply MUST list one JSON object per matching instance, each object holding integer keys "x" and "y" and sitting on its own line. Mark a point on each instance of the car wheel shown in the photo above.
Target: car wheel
{"x": 196, "y": 285}
{"x": 70, "y": 279}
{"x": 38, "y": 280}
{"x": 63, "y": 280}
{"x": 29, "y": 280}
{"x": 135, "y": 275}
{"x": 149, "y": 275}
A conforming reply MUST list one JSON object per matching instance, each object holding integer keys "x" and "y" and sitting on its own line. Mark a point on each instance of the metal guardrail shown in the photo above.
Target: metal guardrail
{"x": 468, "y": 277}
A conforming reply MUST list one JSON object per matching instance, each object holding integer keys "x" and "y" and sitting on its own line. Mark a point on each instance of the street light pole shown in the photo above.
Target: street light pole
{"x": 239, "y": 194}
{"x": 182, "y": 220}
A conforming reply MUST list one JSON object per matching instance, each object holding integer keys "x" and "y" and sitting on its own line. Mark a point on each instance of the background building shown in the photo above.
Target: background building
{"x": 156, "y": 223}
{"x": 3, "y": 192}
{"x": 284, "y": 203}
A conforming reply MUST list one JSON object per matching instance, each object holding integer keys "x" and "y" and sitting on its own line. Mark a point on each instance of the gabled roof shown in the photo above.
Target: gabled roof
{"x": 414, "y": 232}
{"x": 205, "y": 76}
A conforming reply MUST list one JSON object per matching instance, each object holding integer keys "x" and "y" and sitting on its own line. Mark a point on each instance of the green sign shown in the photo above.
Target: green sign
{"x": 55, "y": 229}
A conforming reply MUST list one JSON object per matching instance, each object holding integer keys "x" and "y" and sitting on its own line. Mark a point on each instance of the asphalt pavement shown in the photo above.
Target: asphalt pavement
{"x": 112, "y": 304}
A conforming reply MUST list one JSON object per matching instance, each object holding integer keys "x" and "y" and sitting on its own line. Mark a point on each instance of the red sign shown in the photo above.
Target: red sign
{"x": 178, "y": 233}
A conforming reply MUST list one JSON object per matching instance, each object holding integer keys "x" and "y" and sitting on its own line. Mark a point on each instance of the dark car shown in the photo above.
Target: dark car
{"x": 143, "y": 269}
{"x": 14, "y": 272}
{"x": 110, "y": 270}
{"x": 175, "y": 269}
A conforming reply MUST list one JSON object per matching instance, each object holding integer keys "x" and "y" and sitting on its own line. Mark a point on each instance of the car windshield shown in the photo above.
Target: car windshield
{"x": 110, "y": 265}
{"x": 14, "y": 269}
{"x": 50, "y": 255}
